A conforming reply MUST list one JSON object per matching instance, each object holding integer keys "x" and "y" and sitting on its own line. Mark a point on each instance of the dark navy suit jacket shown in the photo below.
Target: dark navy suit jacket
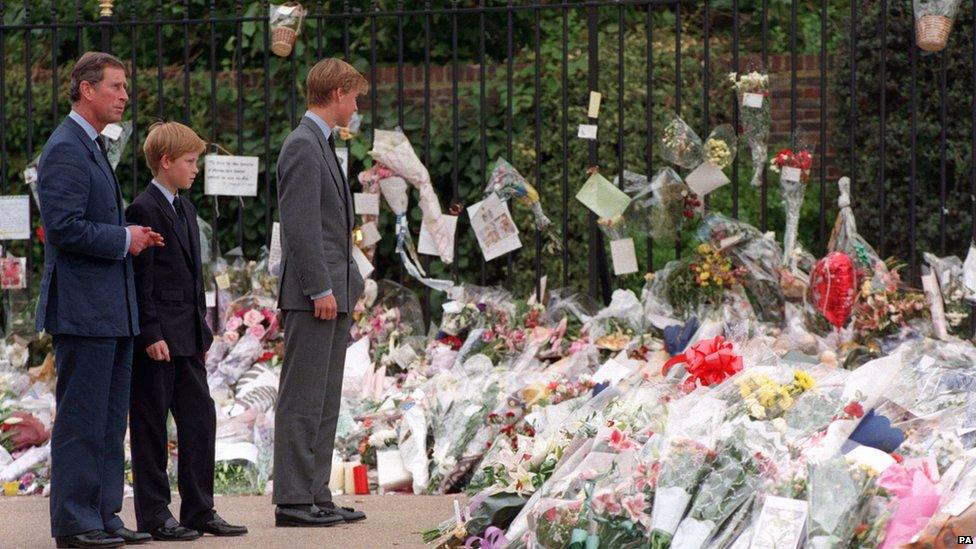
{"x": 172, "y": 306}
{"x": 88, "y": 287}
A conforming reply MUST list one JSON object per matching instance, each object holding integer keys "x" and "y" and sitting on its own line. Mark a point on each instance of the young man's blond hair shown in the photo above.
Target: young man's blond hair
{"x": 170, "y": 139}
{"x": 329, "y": 75}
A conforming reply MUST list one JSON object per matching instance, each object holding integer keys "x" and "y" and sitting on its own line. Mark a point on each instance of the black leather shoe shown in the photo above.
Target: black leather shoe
{"x": 174, "y": 531}
{"x": 348, "y": 514}
{"x": 131, "y": 537}
{"x": 219, "y": 527}
{"x": 307, "y": 516}
{"x": 92, "y": 538}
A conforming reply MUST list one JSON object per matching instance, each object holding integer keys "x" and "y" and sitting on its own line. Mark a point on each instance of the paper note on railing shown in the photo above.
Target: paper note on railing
{"x": 587, "y": 131}
{"x": 425, "y": 245}
{"x": 230, "y": 175}
{"x": 15, "y": 217}
{"x": 594, "y": 109}
{"x": 624, "y": 256}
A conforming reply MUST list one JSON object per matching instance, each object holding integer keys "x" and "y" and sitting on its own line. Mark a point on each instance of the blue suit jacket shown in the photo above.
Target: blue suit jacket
{"x": 88, "y": 287}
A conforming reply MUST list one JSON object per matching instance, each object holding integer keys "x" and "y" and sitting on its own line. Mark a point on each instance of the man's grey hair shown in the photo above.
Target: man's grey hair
{"x": 91, "y": 68}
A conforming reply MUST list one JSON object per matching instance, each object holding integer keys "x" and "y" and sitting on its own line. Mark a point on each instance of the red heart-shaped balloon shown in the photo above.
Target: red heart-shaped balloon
{"x": 833, "y": 285}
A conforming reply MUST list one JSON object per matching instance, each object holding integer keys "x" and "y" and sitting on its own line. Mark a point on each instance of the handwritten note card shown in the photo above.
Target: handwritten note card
{"x": 231, "y": 175}
{"x": 14, "y": 217}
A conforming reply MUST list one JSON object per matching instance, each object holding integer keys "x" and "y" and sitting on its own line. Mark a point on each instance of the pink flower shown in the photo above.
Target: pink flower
{"x": 253, "y": 318}
{"x": 257, "y": 331}
{"x": 577, "y": 346}
{"x": 619, "y": 441}
{"x": 606, "y": 503}
{"x": 634, "y": 504}
{"x": 269, "y": 314}
{"x": 231, "y": 336}
{"x": 233, "y": 324}
{"x": 488, "y": 335}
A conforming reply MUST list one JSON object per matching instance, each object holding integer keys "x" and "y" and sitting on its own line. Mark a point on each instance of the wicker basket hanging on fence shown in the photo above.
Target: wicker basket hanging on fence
{"x": 286, "y": 25}
{"x": 932, "y": 32}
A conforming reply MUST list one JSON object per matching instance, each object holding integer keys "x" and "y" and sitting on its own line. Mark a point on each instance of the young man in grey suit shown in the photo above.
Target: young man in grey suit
{"x": 320, "y": 285}
{"x": 88, "y": 304}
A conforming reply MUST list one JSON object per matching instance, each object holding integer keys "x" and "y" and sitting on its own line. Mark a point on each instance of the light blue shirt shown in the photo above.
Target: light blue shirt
{"x": 93, "y": 135}
{"x": 326, "y": 131}
{"x": 170, "y": 197}
{"x": 322, "y": 124}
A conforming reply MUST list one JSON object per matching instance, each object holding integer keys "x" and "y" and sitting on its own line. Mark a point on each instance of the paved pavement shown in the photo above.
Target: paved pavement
{"x": 392, "y": 521}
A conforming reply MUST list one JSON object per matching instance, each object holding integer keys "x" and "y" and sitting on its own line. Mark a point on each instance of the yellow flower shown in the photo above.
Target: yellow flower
{"x": 803, "y": 380}
{"x": 703, "y": 248}
{"x": 704, "y": 275}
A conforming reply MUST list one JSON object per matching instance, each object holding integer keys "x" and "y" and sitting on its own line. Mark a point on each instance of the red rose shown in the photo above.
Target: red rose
{"x": 39, "y": 231}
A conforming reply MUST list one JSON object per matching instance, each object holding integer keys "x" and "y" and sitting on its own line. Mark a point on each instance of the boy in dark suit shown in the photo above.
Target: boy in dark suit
{"x": 168, "y": 373}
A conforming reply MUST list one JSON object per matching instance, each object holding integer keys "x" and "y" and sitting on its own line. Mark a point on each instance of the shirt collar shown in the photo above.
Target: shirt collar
{"x": 169, "y": 196}
{"x": 322, "y": 124}
{"x": 85, "y": 125}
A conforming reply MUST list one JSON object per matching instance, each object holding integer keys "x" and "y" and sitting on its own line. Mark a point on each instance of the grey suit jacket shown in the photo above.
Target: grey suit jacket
{"x": 316, "y": 209}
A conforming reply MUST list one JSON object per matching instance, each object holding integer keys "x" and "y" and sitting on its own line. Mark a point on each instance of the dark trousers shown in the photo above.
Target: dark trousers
{"x": 87, "y": 445}
{"x": 307, "y": 410}
{"x": 179, "y": 387}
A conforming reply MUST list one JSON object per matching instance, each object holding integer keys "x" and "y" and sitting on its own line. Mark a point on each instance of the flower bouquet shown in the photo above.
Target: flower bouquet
{"x": 757, "y": 257}
{"x": 882, "y": 312}
{"x": 682, "y": 469}
{"x": 393, "y": 150}
{"x": 672, "y": 202}
{"x": 508, "y": 183}
{"x": 718, "y": 153}
{"x": 700, "y": 280}
{"x": 948, "y": 273}
{"x": 838, "y": 494}
{"x": 794, "y": 166}
{"x": 933, "y": 23}
{"x": 286, "y": 24}
{"x": 754, "y": 109}
{"x": 731, "y": 482}
{"x": 766, "y": 399}
{"x": 680, "y": 145}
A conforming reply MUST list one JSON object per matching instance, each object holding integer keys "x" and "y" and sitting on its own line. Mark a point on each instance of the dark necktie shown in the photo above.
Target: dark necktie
{"x": 102, "y": 147}
{"x": 178, "y": 206}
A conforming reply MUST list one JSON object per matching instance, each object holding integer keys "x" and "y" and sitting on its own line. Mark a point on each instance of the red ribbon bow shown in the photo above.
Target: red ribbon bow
{"x": 708, "y": 362}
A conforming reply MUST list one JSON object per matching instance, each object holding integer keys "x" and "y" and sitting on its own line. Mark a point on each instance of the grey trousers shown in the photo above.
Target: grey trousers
{"x": 307, "y": 410}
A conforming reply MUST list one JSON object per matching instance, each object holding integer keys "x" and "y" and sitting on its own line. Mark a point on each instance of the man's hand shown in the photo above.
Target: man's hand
{"x": 325, "y": 307}
{"x": 142, "y": 238}
{"x": 158, "y": 351}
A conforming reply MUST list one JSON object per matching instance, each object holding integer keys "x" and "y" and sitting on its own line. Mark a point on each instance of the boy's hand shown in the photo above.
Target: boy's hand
{"x": 158, "y": 351}
{"x": 325, "y": 307}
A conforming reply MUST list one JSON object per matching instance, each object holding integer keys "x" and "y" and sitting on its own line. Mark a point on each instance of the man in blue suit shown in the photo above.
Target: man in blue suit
{"x": 88, "y": 304}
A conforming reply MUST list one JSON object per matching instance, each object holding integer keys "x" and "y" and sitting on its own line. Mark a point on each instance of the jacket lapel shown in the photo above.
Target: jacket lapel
{"x": 338, "y": 179}
{"x": 100, "y": 159}
{"x": 181, "y": 235}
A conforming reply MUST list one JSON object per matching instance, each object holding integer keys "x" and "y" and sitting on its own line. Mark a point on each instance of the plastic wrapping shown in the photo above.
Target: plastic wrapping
{"x": 672, "y": 202}
{"x": 393, "y": 150}
{"x": 285, "y": 21}
{"x": 793, "y": 167}
{"x": 757, "y": 255}
{"x": 680, "y": 145}
{"x": 838, "y": 495}
{"x": 752, "y": 90}
{"x": 508, "y": 183}
{"x": 845, "y": 238}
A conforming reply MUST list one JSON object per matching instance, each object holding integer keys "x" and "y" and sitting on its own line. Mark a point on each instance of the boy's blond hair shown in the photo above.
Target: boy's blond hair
{"x": 170, "y": 139}
{"x": 329, "y": 75}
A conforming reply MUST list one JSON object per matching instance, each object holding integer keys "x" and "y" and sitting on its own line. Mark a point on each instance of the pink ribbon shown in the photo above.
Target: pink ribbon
{"x": 708, "y": 362}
